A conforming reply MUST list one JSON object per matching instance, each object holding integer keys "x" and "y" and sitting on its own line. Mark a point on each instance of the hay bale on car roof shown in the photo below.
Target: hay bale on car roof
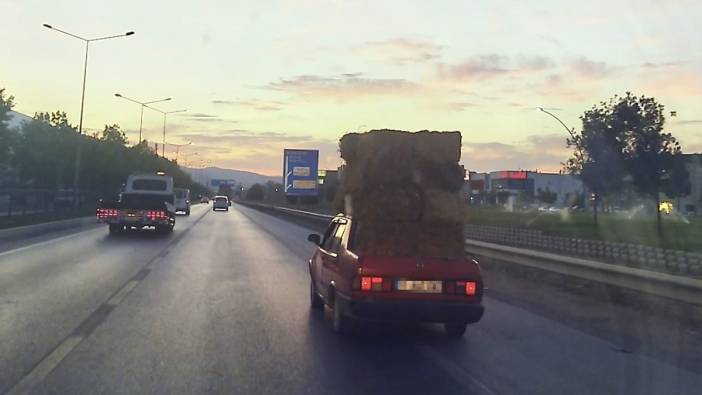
{"x": 429, "y": 145}
{"x": 442, "y": 207}
{"x": 399, "y": 202}
{"x": 438, "y": 146}
{"x": 402, "y": 238}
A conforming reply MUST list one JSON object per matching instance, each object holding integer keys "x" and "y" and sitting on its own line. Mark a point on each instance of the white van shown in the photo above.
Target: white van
{"x": 182, "y": 200}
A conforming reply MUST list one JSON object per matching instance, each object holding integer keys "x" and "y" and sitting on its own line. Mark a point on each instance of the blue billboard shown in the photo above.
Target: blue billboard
{"x": 300, "y": 168}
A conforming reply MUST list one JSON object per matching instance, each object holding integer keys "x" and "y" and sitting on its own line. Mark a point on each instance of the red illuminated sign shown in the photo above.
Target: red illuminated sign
{"x": 513, "y": 175}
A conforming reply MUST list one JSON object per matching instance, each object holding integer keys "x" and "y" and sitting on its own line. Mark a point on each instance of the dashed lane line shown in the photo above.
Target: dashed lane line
{"x": 41, "y": 370}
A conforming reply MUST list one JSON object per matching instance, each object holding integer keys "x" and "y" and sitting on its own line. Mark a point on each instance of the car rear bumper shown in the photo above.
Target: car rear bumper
{"x": 123, "y": 222}
{"x": 412, "y": 310}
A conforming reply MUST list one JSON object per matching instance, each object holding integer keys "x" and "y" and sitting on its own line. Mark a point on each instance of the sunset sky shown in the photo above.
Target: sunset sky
{"x": 260, "y": 76}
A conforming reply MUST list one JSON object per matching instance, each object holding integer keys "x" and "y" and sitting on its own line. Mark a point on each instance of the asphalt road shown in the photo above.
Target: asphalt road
{"x": 221, "y": 306}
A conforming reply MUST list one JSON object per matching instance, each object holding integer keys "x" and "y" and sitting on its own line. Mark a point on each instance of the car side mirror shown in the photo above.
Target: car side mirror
{"x": 314, "y": 238}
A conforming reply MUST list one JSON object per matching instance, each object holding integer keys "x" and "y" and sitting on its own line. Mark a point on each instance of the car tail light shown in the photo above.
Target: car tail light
{"x": 468, "y": 288}
{"x": 375, "y": 284}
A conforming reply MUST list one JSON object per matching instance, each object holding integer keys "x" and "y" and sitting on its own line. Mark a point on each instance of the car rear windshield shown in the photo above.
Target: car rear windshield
{"x": 149, "y": 185}
{"x": 220, "y": 200}
{"x": 180, "y": 194}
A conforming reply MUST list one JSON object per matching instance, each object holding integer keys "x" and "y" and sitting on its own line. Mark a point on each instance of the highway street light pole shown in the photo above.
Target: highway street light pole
{"x": 165, "y": 113}
{"x": 570, "y": 131}
{"x": 76, "y": 171}
{"x": 143, "y": 104}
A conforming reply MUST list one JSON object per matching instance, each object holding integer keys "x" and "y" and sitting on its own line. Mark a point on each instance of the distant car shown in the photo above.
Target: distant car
{"x": 221, "y": 203}
{"x": 204, "y": 200}
{"x": 391, "y": 288}
{"x": 554, "y": 209}
{"x": 182, "y": 200}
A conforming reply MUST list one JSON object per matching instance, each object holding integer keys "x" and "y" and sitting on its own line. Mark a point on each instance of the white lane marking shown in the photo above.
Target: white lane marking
{"x": 154, "y": 261}
{"x": 122, "y": 293}
{"x": 42, "y": 370}
{"x": 454, "y": 370}
{"x": 45, "y": 242}
{"x": 46, "y": 366}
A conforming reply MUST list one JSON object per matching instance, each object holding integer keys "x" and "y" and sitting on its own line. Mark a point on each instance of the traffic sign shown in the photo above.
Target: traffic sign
{"x": 300, "y": 167}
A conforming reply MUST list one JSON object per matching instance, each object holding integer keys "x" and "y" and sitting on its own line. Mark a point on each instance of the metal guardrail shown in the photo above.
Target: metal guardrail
{"x": 633, "y": 255}
{"x": 16, "y": 202}
{"x": 665, "y": 285}
{"x": 685, "y": 289}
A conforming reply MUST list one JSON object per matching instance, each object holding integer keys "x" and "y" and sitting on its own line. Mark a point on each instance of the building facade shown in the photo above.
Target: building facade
{"x": 692, "y": 203}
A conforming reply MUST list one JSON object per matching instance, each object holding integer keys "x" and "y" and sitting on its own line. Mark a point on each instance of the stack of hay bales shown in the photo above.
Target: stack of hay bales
{"x": 402, "y": 189}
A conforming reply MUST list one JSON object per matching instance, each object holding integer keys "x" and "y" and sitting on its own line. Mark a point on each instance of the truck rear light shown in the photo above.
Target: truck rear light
{"x": 156, "y": 215}
{"x": 105, "y": 213}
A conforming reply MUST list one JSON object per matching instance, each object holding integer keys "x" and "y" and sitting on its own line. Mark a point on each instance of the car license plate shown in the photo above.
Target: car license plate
{"x": 433, "y": 287}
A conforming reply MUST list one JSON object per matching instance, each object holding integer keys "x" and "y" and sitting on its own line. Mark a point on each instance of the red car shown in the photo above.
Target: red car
{"x": 386, "y": 288}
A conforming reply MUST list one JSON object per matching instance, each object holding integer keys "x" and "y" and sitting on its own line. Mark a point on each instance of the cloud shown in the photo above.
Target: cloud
{"x": 256, "y": 104}
{"x": 534, "y": 63}
{"x": 491, "y": 66}
{"x": 478, "y": 68}
{"x": 461, "y": 106}
{"x": 689, "y": 122}
{"x": 679, "y": 84}
{"x": 200, "y": 116}
{"x": 341, "y": 85}
{"x": 402, "y": 51}
{"x": 663, "y": 65}
{"x": 590, "y": 68}
{"x": 542, "y": 152}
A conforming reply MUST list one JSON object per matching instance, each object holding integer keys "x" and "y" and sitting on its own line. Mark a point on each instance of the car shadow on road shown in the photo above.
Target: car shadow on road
{"x": 135, "y": 235}
{"x": 387, "y": 357}
{"x": 368, "y": 332}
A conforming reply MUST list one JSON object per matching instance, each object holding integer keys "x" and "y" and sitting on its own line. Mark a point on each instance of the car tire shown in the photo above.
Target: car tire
{"x": 455, "y": 330}
{"x": 315, "y": 301}
{"x": 343, "y": 324}
{"x": 115, "y": 229}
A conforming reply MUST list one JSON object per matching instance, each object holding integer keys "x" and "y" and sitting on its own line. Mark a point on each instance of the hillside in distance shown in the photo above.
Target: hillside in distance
{"x": 246, "y": 178}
